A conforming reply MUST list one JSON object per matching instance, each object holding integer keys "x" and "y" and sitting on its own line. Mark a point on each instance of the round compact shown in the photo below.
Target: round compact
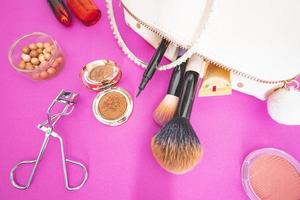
{"x": 113, "y": 106}
{"x": 100, "y": 74}
{"x": 271, "y": 174}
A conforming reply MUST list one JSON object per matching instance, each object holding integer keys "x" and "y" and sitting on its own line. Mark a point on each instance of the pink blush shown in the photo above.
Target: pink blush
{"x": 271, "y": 176}
{"x": 274, "y": 178}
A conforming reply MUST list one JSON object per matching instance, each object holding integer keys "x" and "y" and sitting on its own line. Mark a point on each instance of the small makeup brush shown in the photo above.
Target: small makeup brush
{"x": 155, "y": 60}
{"x": 176, "y": 146}
{"x": 168, "y": 106}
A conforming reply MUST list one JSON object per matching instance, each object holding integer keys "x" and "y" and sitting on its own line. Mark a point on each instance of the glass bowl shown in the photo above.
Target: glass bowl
{"x": 36, "y": 55}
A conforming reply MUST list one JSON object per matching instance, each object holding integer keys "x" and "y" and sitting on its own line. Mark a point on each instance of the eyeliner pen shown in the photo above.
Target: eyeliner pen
{"x": 151, "y": 68}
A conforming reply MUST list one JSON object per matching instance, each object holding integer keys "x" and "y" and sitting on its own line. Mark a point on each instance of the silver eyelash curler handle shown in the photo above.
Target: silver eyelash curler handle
{"x": 36, "y": 162}
{"x": 68, "y": 99}
{"x": 64, "y": 165}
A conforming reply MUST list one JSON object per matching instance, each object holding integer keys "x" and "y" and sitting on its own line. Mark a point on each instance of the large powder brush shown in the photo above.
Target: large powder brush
{"x": 176, "y": 146}
{"x": 168, "y": 106}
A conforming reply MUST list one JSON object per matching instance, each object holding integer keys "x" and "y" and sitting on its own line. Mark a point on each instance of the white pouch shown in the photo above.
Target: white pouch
{"x": 258, "y": 41}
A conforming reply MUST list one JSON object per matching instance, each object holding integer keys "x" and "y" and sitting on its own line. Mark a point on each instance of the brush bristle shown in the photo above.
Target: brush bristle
{"x": 176, "y": 146}
{"x": 166, "y": 109}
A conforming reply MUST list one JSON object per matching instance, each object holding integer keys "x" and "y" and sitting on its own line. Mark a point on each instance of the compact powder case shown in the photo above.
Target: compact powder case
{"x": 271, "y": 174}
{"x": 113, "y": 105}
{"x": 100, "y": 74}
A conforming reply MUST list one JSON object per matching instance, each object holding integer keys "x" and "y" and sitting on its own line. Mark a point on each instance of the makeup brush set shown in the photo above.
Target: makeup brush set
{"x": 240, "y": 54}
{"x": 206, "y": 33}
{"x": 229, "y": 45}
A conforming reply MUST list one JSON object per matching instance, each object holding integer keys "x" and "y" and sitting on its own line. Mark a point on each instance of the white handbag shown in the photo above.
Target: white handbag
{"x": 258, "y": 41}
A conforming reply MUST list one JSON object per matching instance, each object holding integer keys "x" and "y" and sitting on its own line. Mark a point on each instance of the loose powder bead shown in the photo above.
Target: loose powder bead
{"x": 26, "y": 50}
{"x": 33, "y": 53}
{"x": 35, "y": 61}
{"x": 47, "y": 44}
{"x": 40, "y": 45}
{"x": 29, "y": 66}
{"x": 51, "y": 71}
{"x": 55, "y": 64}
{"x": 59, "y": 59}
{"x": 22, "y": 64}
{"x": 43, "y": 64}
{"x": 25, "y": 57}
{"x": 41, "y": 58}
{"x": 36, "y": 76}
{"x": 32, "y": 46}
{"x": 44, "y": 75}
{"x": 47, "y": 56}
{"x": 48, "y": 49}
{"x": 39, "y": 50}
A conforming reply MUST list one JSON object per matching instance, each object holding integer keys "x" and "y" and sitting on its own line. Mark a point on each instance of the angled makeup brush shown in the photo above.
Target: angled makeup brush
{"x": 155, "y": 60}
{"x": 168, "y": 106}
{"x": 176, "y": 146}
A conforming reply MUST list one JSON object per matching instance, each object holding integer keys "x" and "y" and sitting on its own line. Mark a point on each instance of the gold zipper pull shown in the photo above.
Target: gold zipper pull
{"x": 216, "y": 81}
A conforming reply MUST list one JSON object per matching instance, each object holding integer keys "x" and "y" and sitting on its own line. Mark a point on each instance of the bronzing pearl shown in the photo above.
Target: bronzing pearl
{"x": 26, "y": 50}
{"x": 33, "y": 46}
{"x": 40, "y": 45}
{"x": 44, "y": 75}
{"x": 33, "y": 53}
{"x": 25, "y": 57}
{"x": 35, "y": 61}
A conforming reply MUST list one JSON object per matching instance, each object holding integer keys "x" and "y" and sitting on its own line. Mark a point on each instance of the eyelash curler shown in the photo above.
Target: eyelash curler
{"x": 67, "y": 99}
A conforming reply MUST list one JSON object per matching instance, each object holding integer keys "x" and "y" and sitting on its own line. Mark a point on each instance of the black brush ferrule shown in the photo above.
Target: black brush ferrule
{"x": 187, "y": 95}
{"x": 176, "y": 80}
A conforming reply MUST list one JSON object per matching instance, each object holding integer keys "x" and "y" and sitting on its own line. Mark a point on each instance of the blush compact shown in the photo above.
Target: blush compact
{"x": 112, "y": 105}
{"x": 271, "y": 174}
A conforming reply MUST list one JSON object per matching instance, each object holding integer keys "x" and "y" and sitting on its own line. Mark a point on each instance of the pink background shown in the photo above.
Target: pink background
{"x": 119, "y": 159}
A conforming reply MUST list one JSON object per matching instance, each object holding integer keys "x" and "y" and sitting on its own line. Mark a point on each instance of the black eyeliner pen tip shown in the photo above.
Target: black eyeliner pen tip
{"x": 138, "y": 93}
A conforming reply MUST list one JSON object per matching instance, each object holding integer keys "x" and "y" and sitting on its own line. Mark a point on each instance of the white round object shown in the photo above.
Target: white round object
{"x": 284, "y": 106}
{"x": 25, "y": 57}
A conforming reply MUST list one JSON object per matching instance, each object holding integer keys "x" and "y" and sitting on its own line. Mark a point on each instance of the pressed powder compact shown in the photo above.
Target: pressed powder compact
{"x": 100, "y": 74}
{"x": 271, "y": 174}
{"x": 113, "y": 105}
